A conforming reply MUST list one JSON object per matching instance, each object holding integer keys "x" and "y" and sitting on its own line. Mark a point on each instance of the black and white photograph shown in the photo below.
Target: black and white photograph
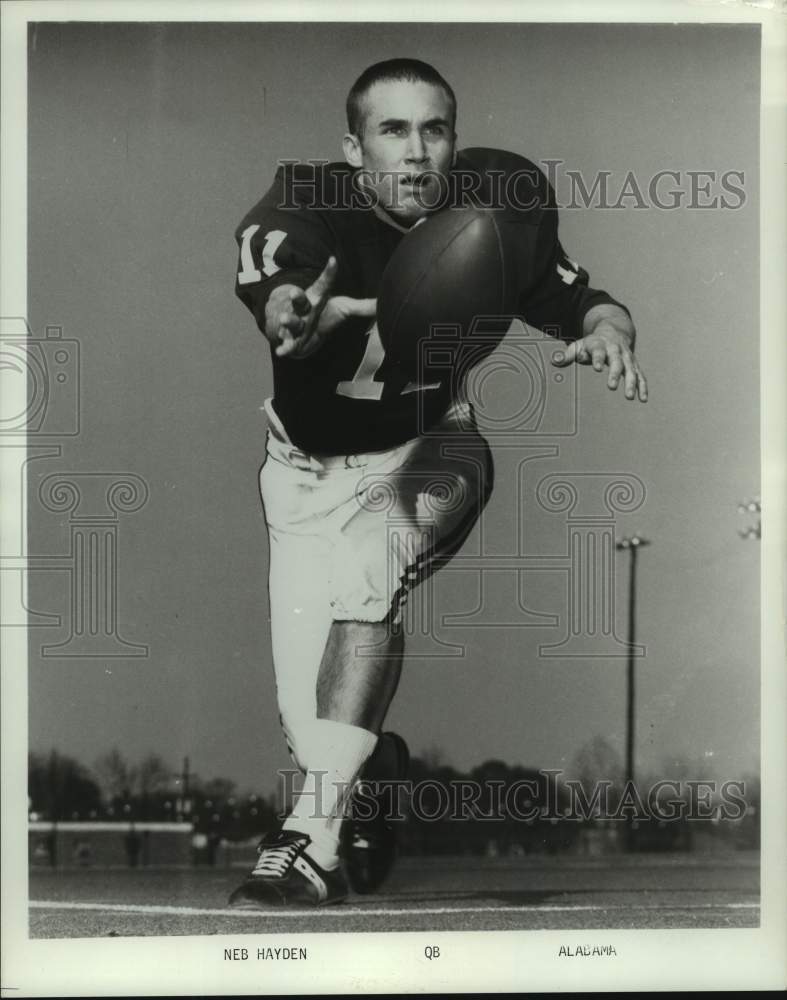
{"x": 506, "y": 711}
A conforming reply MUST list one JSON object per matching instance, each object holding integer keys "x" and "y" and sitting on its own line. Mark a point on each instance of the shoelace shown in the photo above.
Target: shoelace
{"x": 275, "y": 861}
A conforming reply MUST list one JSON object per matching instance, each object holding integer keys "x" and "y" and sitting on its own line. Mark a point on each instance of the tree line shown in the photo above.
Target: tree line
{"x": 494, "y": 808}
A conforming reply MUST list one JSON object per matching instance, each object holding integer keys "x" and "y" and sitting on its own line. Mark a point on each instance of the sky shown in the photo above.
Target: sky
{"x": 147, "y": 144}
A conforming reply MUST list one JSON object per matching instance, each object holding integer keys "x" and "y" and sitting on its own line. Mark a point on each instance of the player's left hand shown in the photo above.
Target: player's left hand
{"x": 607, "y": 345}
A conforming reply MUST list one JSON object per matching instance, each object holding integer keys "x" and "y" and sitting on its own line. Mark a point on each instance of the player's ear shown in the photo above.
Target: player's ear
{"x": 352, "y": 150}
{"x": 456, "y": 152}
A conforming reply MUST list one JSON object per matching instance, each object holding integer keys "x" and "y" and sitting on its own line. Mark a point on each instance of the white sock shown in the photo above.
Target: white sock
{"x": 336, "y": 754}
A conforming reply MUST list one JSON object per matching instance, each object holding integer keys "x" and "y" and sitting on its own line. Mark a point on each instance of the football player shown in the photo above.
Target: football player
{"x": 361, "y": 499}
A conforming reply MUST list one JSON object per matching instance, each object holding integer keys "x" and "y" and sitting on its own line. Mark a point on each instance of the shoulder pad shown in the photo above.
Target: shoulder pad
{"x": 485, "y": 158}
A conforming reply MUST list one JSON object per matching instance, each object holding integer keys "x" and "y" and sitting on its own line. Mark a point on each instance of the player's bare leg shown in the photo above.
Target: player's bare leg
{"x": 359, "y": 673}
{"x": 356, "y": 686}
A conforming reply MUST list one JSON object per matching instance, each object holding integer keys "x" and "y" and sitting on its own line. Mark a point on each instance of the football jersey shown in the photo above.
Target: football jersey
{"x": 348, "y": 397}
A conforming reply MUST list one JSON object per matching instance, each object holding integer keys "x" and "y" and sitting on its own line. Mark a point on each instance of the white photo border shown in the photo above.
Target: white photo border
{"x": 375, "y": 963}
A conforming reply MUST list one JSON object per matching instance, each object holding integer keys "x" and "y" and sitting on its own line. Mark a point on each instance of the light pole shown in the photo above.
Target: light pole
{"x": 183, "y": 802}
{"x": 632, "y": 545}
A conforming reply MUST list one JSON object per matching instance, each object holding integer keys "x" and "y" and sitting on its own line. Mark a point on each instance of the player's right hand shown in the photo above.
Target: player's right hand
{"x": 297, "y": 321}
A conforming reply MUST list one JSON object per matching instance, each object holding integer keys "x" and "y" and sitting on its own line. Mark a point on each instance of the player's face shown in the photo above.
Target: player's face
{"x": 408, "y": 144}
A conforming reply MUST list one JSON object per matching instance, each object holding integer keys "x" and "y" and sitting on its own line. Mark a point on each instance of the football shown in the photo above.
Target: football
{"x": 449, "y": 272}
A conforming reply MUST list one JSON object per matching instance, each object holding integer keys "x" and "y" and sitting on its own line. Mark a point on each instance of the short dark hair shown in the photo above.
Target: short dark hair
{"x": 412, "y": 70}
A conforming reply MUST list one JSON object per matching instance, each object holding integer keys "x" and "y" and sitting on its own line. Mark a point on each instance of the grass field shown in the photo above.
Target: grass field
{"x": 633, "y": 891}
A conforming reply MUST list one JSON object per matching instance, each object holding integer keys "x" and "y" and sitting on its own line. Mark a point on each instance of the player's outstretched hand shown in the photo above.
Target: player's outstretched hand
{"x": 607, "y": 345}
{"x": 297, "y": 321}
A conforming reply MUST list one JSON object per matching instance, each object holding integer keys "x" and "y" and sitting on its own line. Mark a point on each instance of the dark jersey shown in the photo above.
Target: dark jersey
{"x": 347, "y": 397}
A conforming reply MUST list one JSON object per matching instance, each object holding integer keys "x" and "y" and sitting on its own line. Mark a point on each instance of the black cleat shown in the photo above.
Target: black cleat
{"x": 368, "y": 846}
{"x": 285, "y": 875}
